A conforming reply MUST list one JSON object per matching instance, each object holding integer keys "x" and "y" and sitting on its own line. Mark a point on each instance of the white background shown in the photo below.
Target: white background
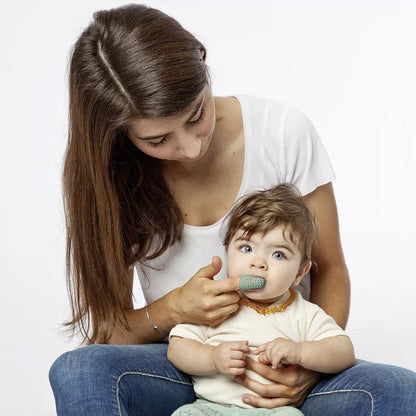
{"x": 350, "y": 66}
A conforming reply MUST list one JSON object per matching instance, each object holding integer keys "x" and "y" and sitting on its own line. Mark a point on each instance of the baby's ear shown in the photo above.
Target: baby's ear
{"x": 302, "y": 271}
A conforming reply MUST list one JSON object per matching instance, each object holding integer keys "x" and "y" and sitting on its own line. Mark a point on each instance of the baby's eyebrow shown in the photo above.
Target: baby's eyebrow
{"x": 284, "y": 246}
{"x": 242, "y": 238}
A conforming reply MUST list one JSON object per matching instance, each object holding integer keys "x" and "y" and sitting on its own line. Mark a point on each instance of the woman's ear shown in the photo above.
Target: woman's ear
{"x": 302, "y": 271}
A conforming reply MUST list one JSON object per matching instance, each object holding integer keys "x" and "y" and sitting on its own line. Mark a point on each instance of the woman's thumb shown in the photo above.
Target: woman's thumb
{"x": 212, "y": 269}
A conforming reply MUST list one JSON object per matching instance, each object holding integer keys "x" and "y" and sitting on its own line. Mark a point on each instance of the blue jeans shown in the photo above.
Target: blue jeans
{"x": 121, "y": 380}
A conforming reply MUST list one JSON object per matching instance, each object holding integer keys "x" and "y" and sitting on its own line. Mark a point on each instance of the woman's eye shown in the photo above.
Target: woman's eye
{"x": 245, "y": 249}
{"x": 278, "y": 255}
{"x": 160, "y": 142}
{"x": 200, "y": 118}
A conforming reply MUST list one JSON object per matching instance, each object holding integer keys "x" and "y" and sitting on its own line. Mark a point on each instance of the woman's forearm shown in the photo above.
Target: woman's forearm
{"x": 160, "y": 314}
{"x": 330, "y": 289}
{"x": 330, "y": 279}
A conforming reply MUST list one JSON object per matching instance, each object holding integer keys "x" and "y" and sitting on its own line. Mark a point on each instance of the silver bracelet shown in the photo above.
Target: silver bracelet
{"x": 155, "y": 328}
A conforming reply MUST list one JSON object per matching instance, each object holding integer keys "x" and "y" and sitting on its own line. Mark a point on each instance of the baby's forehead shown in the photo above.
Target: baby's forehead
{"x": 278, "y": 232}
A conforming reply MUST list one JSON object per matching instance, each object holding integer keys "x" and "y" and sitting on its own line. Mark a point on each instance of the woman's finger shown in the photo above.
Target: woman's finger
{"x": 221, "y": 314}
{"x": 257, "y": 401}
{"x": 226, "y": 285}
{"x": 265, "y": 390}
{"x": 211, "y": 269}
{"x": 287, "y": 376}
{"x": 226, "y": 299}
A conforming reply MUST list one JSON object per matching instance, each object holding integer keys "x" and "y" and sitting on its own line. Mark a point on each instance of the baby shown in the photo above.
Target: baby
{"x": 269, "y": 242}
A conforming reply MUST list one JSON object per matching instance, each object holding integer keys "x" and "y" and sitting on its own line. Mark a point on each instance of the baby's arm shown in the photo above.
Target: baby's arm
{"x": 329, "y": 355}
{"x": 198, "y": 359}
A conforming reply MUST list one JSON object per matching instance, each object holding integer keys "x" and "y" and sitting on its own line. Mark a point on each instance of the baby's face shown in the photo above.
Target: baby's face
{"x": 270, "y": 256}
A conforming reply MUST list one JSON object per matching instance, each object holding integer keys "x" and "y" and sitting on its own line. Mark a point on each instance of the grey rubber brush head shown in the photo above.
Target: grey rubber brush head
{"x": 251, "y": 282}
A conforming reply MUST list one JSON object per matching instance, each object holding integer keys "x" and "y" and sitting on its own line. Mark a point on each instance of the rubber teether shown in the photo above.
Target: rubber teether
{"x": 251, "y": 282}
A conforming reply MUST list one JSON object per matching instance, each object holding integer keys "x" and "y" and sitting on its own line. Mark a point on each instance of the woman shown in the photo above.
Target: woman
{"x": 153, "y": 164}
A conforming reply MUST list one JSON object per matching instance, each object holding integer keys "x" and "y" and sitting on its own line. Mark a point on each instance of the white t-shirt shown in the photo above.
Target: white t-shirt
{"x": 281, "y": 145}
{"x": 301, "y": 321}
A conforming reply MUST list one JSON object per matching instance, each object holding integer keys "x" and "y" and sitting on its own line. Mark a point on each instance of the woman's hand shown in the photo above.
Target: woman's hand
{"x": 291, "y": 387}
{"x": 203, "y": 300}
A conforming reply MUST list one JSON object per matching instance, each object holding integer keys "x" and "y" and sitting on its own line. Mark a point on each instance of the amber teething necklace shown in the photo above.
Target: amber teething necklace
{"x": 272, "y": 309}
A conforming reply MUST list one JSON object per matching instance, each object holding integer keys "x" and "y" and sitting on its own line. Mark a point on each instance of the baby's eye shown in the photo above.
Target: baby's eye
{"x": 245, "y": 248}
{"x": 278, "y": 255}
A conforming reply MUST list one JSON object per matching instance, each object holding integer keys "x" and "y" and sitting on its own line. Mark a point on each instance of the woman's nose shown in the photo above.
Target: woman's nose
{"x": 189, "y": 146}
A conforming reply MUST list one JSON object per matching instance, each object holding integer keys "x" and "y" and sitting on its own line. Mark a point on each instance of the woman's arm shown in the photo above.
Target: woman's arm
{"x": 330, "y": 282}
{"x": 201, "y": 300}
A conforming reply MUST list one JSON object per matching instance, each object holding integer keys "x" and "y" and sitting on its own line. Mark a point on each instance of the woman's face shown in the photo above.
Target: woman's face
{"x": 180, "y": 138}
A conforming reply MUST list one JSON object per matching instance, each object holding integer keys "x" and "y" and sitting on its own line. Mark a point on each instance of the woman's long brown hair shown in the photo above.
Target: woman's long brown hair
{"x": 131, "y": 62}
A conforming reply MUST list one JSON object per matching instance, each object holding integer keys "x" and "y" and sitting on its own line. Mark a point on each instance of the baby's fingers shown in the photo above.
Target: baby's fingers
{"x": 238, "y": 355}
{"x": 238, "y": 363}
{"x": 237, "y": 371}
{"x": 235, "y": 367}
{"x": 260, "y": 349}
{"x": 240, "y": 346}
{"x": 276, "y": 361}
{"x": 263, "y": 359}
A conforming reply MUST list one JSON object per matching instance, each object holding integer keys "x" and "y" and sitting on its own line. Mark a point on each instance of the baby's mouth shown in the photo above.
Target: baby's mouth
{"x": 248, "y": 282}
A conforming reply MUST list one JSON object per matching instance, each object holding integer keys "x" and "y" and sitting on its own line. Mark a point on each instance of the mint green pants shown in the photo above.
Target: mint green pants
{"x": 205, "y": 408}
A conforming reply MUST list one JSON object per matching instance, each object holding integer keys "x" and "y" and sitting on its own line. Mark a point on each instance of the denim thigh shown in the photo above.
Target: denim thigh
{"x": 366, "y": 389}
{"x": 120, "y": 380}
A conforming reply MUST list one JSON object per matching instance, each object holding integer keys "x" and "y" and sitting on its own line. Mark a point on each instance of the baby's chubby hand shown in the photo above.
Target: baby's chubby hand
{"x": 279, "y": 352}
{"x": 230, "y": 357}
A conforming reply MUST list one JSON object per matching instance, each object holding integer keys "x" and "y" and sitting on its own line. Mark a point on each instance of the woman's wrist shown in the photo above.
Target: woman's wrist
{"x": 173, "y": 307}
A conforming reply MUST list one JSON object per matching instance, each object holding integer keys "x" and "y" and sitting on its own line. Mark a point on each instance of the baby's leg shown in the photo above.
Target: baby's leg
{"x": 206, "y": 408}
{"x": 202, "y": 408}
{"x": 284, "y": 411}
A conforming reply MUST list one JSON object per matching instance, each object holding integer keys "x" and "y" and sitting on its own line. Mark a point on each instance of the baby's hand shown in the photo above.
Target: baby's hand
{"x": 279, "y": 352}
{"x": 230, "y": 357}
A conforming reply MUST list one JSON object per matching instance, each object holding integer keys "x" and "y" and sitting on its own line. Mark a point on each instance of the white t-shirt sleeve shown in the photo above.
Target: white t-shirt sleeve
{"x": 302, "y": 158}
{"x": 191, "y": 331}
{"x": 319, "y": 325}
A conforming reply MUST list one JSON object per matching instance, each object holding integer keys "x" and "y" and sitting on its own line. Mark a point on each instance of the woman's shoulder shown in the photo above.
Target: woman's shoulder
{"x": 266, "y": 118}
{"x": 264, "y": 111}
{"x": 227, "y": 108}
{"x": 238, "y": 103}
{"x": 228, "y": 115}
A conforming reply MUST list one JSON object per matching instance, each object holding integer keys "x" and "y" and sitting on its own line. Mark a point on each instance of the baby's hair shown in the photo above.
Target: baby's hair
{"x": 262, "y": 211}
